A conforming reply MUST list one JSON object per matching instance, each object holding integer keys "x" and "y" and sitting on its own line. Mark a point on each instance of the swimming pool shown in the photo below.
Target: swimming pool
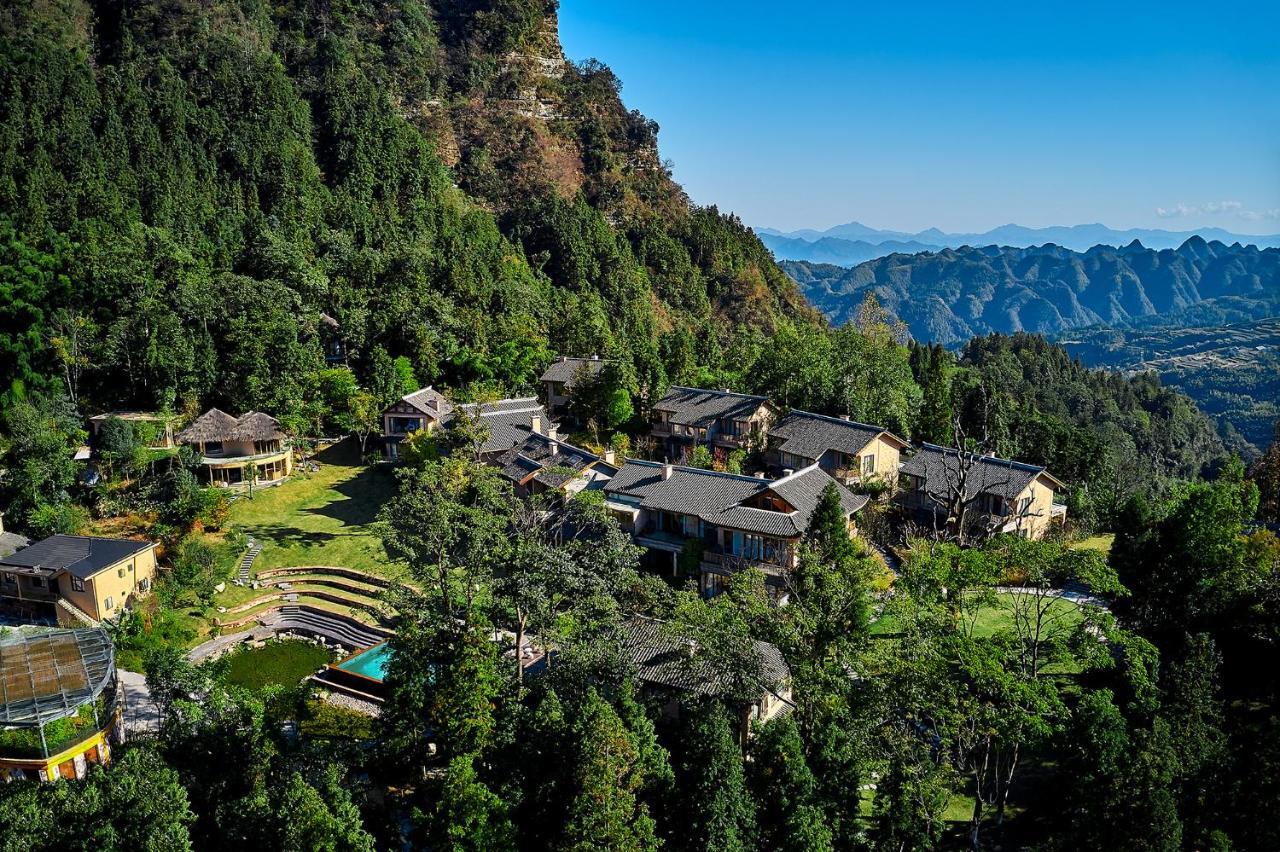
{"x": 371, "y": 663}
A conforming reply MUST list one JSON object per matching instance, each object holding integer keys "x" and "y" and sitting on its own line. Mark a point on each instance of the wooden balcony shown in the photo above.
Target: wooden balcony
{"x": 719, "y": 562}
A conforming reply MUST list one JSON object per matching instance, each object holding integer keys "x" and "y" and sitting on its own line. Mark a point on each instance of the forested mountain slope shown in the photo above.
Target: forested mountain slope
{"x": 952, "y": 295}
{"x": 186, "y": 188}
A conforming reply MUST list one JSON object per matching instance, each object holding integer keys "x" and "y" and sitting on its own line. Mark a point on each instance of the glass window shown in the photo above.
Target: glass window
{"x": 109, "y": 603}
{"x": 868, "y": 465}
{"x": 77, "y": 584}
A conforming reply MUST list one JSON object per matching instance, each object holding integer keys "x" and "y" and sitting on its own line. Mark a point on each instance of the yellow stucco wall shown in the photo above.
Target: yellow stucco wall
{"x": 109, "y": 584}
{"x": 1038, "y": 517}
{"x": 887, "y": 457}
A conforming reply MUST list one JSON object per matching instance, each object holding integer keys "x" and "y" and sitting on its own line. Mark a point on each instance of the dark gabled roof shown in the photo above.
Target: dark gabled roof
{"x": 718, "y": 498}
{"x": 81, "y": 556}
{"x": 565, "y": 369}
{"x": 509, "y": 420}
{"x": 546, "y": 459}
{"x": 701, "y": 407}
{"x": 664, "y": 658}
{"x": 809, "y": 435}
{"x": 429, "y": 401}
{"x": 939, "y": 467}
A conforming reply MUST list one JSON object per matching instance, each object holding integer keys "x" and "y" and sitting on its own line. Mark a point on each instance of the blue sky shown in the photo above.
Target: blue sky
{"x": 911, "y": 115}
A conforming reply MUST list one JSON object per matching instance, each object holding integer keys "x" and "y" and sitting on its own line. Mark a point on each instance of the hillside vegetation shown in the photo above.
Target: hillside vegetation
{"x": 189, "y": 188}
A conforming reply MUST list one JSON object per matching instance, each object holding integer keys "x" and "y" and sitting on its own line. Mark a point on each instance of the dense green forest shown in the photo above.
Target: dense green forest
{"x": 201, "y": 201}
{"x": 187, "y": 187}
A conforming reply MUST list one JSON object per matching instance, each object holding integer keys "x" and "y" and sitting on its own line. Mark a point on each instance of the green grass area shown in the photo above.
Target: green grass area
{"x": 1100, "y": 543}
{"x": 321, "y": 518}
{"x": 997, "y": 617}
{"x": 279, "y": 663}
{"x": 1000, "y": 617}
{"x": 327, "y": 721}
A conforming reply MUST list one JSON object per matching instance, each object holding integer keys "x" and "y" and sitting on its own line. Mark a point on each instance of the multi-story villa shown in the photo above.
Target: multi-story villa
{"x": 508, "y": 421}
{"x": 728, "y": 521}
{"x": 852, "y": 453}
{"x": 542, "y": 463}
{"x": 666, "y": 667}
{"x": 997, "y": 495}
{"x": 425, "y": 409}
{"x": 686, "y": 417}
{"x": 559, "y": 379}
{"x": 237, "y": 452}
{"x": 97, "y": 577}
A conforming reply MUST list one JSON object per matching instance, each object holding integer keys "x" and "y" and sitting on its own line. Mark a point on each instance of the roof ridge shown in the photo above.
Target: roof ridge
{"x": 718, "y": 392}
{"x": 837, "y": 420}
{"x": 794, "y": 474}
{"x": 1003, "y": 462}
{"x": 685, "y": 467}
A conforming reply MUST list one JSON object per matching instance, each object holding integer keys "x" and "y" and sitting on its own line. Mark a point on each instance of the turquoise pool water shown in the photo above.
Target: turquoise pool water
{"x": 371, "y": 663}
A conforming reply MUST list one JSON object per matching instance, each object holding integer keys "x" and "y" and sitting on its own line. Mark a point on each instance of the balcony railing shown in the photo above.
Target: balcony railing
{"x": 216, "y": 460}
{"x": 716, "y": 559}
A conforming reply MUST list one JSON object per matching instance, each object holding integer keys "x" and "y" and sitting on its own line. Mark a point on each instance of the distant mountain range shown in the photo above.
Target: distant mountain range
{"x": 854, "y": 243}
{"x": 951, "y": 295}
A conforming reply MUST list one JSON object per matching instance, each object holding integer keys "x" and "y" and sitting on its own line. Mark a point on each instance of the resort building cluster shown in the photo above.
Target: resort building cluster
{"x": 704, "y": 524}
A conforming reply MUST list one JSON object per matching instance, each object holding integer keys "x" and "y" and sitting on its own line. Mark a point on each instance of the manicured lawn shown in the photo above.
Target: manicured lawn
{"x": 321, "y": 518}
{"x": 1096, "y": 542}
{"x": 280, "y": 663}
{"x": 996, "y": 618}
{"x": 993, "y": 619}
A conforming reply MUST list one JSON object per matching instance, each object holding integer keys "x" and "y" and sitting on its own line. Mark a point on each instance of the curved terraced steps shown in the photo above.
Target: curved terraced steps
{"x": 333, "y": 570}
{"x": 306, "y": 582}
{"x": 315, "y": 622}
{"x": 253, "y": 609}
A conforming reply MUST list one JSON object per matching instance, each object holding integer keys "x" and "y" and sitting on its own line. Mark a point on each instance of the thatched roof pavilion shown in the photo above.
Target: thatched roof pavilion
{"x": 217, "y": 425}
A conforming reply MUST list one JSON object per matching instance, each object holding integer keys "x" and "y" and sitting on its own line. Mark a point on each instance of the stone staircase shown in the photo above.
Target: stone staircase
{"x": 246, "y": 562}
{"x": 336, "y": 628}
{"x": 75, "y": 613}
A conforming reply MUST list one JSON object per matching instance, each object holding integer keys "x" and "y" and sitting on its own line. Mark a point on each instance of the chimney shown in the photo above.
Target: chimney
{"x": 595, "y": 357}
{"x": 666, "y": 470}
{"x": 553, "y": 447}
{"x": 760, "y": 474}
{"x": 552, "y": 429}
{"x": 725, "y": 390}
{"x": 787, "y": 471}
{"x": 610, "y": 457}
{"x": 535, "y": 423}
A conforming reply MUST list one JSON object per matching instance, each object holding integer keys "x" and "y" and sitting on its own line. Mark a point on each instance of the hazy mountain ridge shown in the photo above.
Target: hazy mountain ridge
{"x": 951, "y": 295}
{"x": 854, "y": 242}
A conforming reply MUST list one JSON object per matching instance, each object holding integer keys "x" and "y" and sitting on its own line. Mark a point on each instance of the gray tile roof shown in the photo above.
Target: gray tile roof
{"x": 809, "y": 435}
{"x": 81, "y": 556}
{"x": 717, "y": 498}
{"x": 509, "y": 420}
{"x": 701, "y": 407}
{"x": 429, "y": 401}
{"x": 664, "y": 658}
{"x": 543, "y": 458}
{"x": 939, "y": 467}
{"x": 565, "y": 369}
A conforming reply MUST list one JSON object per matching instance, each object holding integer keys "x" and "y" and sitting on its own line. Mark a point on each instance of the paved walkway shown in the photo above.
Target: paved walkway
{"x": 141, "y": 715}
